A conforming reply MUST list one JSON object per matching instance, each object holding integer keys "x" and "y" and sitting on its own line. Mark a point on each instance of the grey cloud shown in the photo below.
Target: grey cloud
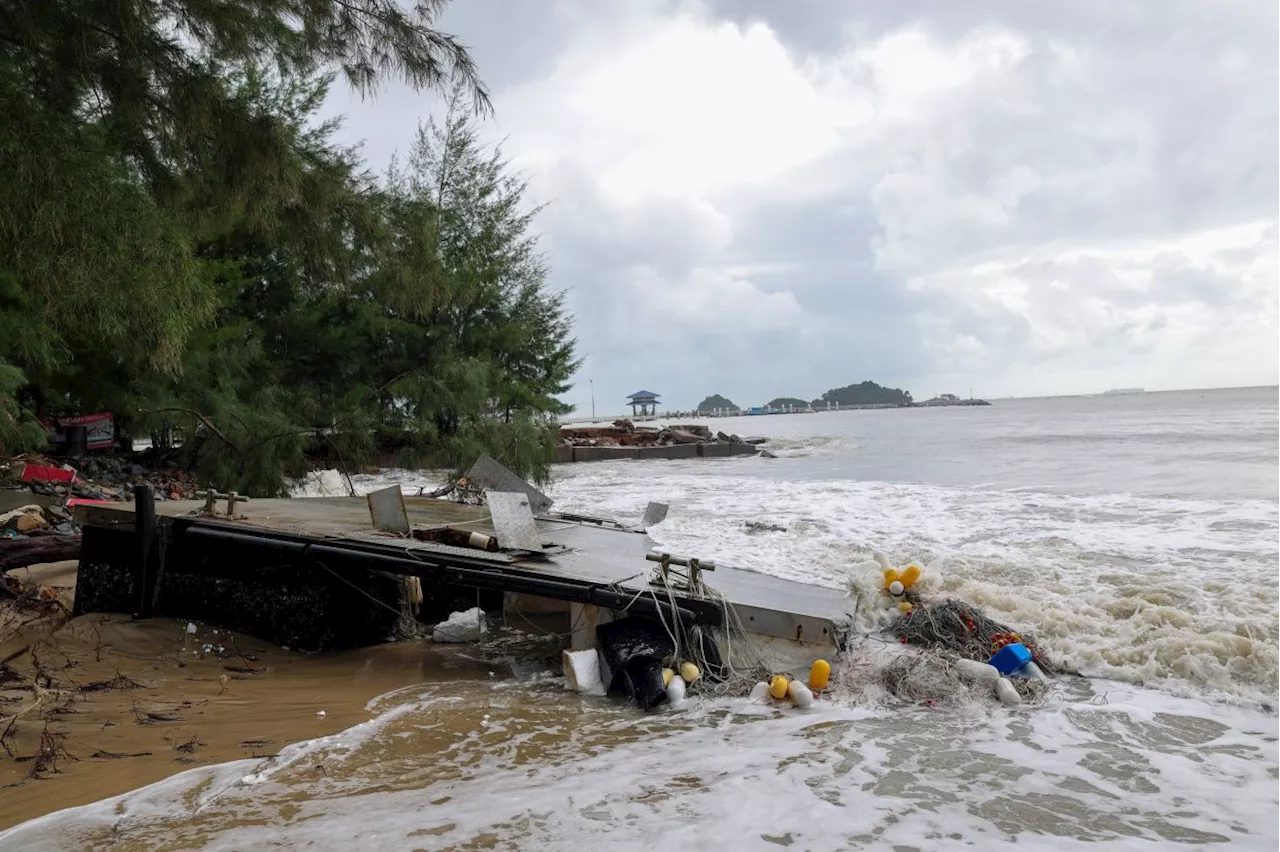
{"x": 1127, "y": 121}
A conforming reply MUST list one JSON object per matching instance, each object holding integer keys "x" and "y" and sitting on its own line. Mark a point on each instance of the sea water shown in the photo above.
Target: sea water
{"x": 1135, "y": 536}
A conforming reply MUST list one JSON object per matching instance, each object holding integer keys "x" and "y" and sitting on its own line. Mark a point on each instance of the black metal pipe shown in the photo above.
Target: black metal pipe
{"x": 484, "y": 577}
{"x": 144, "y": 526}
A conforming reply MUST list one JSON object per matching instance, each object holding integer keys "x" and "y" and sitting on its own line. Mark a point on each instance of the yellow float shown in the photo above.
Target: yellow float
{"x": 819, "y": 675}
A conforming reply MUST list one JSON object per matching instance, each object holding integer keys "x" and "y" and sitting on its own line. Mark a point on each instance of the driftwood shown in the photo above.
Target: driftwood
{"x": 32, "y": 550}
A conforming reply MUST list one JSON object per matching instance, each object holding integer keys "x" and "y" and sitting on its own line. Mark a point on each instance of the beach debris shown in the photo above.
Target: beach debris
{"x": 465, "y": 626}
{"x": 321, "y": 713}
{"x": 961, "y": 629}
{"x": 764, "y": 526}
{"x": 582, "y": 671}
{"x": 19, "y": 551}
{"x": 25, "y": 519}
{"x": 898, "y": 583}
{"x": 800, "y": 695}
{"x": 759, "y": 692}
{"x": 689, "y": 672}
{"x": 819, "y": 675}
{"x": 1007, "y": 693}
{"x": 387, "y": 511}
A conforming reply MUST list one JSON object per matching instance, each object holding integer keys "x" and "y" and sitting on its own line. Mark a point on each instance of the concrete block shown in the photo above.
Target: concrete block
{"x": 743, "y": 450}
{"x": 714, "y": 451}
{"x": 653, "y": 452}
{"x": 581, "y": 454}
{"x": 682, "y": 451}
{"x": 564, "y": 454}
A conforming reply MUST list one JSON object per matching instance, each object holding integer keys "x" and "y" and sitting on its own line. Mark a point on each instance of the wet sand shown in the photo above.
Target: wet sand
{"x": 102, "y": 704}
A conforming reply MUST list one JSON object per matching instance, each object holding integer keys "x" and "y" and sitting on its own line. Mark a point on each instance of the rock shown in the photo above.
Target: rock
{"x": 723, "y": 437}
{"x": 694, "y": 429}
{"x": 175, "y": 495}
{"x": 625, "y": 425}
{"x": 137, "y": 470}
{"x": 680, "y": 436}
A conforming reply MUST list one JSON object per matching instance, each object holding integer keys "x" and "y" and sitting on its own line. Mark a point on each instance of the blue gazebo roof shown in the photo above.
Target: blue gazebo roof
{"x": 644, "y": 394}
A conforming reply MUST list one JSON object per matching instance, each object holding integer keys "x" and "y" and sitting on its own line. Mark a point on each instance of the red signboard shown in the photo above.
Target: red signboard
{"x": 46, "y": 473}
{"x": 101, "y": 428}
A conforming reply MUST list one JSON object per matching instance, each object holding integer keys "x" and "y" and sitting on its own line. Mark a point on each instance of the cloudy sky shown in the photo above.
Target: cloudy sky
{"x": 761, "y": 198}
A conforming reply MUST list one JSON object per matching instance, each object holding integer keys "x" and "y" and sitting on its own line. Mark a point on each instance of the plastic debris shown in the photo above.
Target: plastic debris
{"x": 582, "y": 671}
{"x": 465, "y": 626}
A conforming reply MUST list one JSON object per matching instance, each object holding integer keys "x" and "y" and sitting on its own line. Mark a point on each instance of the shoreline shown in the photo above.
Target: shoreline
{"x": 125, "y": 703}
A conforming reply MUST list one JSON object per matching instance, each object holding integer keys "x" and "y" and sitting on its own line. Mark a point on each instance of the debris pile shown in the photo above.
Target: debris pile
{"x": 624, "y": 433}
{"x": 962, "y": 629}
{"x": 101, "y": 478}
{"x": 38, "y": 495}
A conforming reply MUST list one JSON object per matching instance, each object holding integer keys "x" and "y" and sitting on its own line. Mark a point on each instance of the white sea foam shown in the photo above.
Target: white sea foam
{"x": 517, "y": 768}
{"x": 1176, "y": 593}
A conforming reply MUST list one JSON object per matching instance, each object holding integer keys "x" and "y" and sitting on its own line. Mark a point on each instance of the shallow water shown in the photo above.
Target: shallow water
{"x": 1135, "y": 536}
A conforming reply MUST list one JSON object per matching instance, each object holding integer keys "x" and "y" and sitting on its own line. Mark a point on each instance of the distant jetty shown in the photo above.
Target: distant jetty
{"x": 1121, "y": 391}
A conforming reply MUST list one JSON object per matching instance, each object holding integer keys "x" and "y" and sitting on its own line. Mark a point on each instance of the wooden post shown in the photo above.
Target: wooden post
{"x": 144, "y": 525}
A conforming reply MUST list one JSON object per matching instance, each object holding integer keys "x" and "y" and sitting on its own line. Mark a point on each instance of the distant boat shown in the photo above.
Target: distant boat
{"x": 1115, "y": 391}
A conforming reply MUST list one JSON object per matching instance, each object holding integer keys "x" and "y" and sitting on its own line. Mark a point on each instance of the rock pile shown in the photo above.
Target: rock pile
{"x": 624, "y": 433}
{"x": 99, "y": 478}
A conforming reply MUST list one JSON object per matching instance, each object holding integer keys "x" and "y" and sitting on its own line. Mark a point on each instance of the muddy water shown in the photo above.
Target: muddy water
{"x": 126, "y": 703}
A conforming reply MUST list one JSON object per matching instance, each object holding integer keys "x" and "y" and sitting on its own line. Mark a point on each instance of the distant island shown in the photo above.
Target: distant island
{"x": 716, "y": 402}
{"x": 864, "y": 393}
{"x": 787, "y": 402}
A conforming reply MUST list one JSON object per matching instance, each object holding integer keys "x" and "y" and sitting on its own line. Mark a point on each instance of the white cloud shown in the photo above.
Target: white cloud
{"x": 1039, "y": 195}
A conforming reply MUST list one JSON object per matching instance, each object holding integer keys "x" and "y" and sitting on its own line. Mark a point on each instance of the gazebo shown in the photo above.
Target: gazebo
{"x": 643, "y": 403}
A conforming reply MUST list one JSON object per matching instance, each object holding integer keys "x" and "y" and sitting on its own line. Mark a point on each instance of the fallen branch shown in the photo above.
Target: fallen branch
{"x": 32, "y": 550}
{"x": 208, "y": 424}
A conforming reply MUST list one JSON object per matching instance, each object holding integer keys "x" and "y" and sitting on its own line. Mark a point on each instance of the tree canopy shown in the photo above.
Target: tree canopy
{"x": 716, "y": 401}
{"x": 183, "y": 242}
{"x": 864, "y": 393}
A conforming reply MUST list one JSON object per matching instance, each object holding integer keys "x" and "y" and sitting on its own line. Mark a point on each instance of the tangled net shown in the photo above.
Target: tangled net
{"x": 961, "y": 629}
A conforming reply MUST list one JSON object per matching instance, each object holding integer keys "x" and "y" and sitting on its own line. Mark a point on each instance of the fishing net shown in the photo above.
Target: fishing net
{"x": 731, "y": 664}
{"x": 961, "y": 629}
{"x": 893, "y": 675}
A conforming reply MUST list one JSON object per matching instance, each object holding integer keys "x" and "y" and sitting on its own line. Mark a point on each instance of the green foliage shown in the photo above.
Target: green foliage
{"x": 786, "y": 402}
{"x": 183, "y": 243}
{"x": 715, "y": 401}
{"x": 864, "y": 393}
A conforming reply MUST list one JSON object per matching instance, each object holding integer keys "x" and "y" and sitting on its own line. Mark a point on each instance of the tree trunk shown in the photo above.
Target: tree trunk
{"x": 32, "y": 550}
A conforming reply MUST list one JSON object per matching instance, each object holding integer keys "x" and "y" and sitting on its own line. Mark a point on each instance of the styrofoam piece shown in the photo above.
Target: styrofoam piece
{"x": 975, "y": 670}
{"x": 465, "y": 626}
{"x": 582, "y": 671}
{"x": 1006, "y": 693}
{"x": 800, "y": 694}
